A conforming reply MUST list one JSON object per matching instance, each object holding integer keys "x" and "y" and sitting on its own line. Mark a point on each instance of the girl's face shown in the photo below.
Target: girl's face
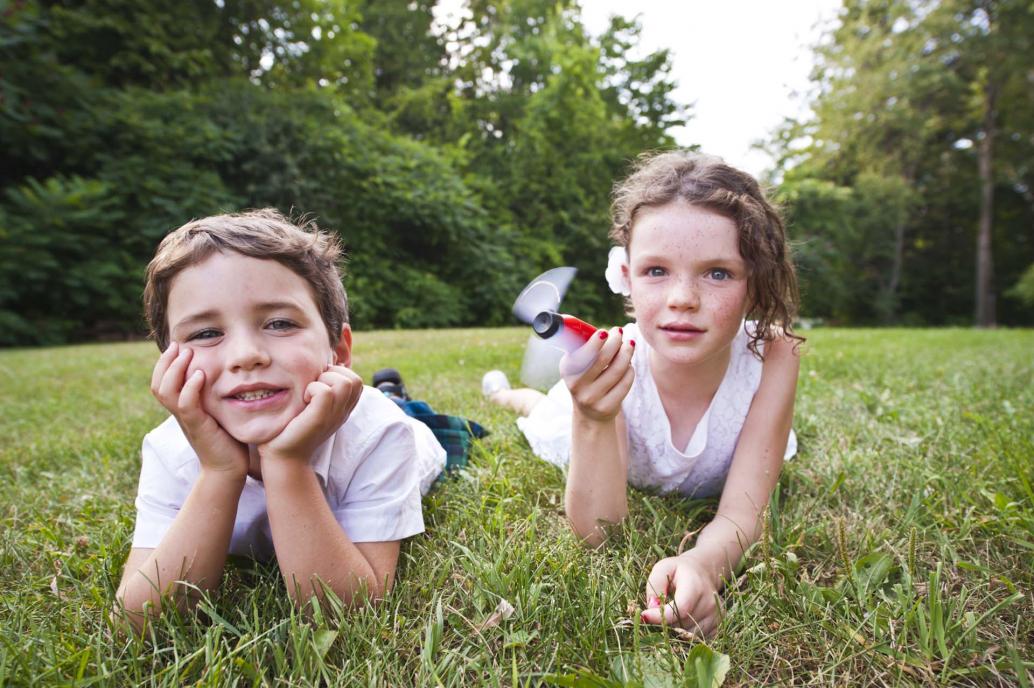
{"x": 688, "y": 281}
{"x": 257, "y": 334}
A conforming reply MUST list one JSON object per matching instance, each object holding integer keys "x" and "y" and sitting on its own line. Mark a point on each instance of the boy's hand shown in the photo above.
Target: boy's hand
{"x": 181, "y": 395}
{"x": 329, "y": 401}
{"x": 598, "y": 390}
{"x": 682, "y": 592}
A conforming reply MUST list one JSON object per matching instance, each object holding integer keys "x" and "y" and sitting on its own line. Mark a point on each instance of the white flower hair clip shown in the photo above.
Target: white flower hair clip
{"x": 617, "y": 280}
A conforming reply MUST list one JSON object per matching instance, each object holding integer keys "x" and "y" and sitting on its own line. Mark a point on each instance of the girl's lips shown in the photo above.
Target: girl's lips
{"x": 680, "y": 333}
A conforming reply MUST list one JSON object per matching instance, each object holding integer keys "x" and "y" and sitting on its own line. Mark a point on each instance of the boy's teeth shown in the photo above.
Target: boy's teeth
{"x": 252, "y": 396}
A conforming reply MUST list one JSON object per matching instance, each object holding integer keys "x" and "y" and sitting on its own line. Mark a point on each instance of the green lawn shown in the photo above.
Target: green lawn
{"x": 899, "y": 547}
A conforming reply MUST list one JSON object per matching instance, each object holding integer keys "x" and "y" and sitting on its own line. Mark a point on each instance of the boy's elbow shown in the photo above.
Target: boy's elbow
{"x": 354, "y": 593}
{"x": 129, "y": 616}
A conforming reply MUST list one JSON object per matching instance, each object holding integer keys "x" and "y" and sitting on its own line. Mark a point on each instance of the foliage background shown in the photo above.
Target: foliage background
{"x": 458, "y": 161}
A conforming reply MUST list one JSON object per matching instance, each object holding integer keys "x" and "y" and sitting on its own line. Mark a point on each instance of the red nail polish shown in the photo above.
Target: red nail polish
{"x": 621, "y": 330}
{"x": 631, "y": 343}
{"x": 603, "y": 334}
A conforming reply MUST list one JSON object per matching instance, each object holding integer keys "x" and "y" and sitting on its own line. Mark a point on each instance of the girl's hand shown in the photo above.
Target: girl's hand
{"x": 682, "y": 592}
{"x": 598, "y": 390}
{"x": 329, "y": 401}
{"x": 181, "y": 395}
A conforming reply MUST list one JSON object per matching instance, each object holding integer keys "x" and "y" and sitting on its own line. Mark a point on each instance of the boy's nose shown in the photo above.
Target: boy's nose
{"x": 246, "y": 352}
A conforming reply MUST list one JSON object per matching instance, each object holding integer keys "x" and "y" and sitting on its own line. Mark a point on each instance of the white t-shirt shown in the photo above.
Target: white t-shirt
{"x": 373, "y": 471}
{"x": 698, "y": 469}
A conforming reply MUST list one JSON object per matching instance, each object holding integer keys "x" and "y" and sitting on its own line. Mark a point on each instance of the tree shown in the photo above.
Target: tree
{"x": 912, "y": 91}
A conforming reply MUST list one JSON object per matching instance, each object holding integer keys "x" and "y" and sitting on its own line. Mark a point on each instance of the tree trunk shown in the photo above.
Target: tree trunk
{"x": 899, "y": 251}
{"x": 985, "y": 298}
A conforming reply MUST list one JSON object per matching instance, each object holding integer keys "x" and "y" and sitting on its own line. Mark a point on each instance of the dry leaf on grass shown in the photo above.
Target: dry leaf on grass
{"x": 503, "y": 611}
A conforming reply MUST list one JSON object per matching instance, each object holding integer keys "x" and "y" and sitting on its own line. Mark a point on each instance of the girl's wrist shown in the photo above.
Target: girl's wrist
{"x": 704, "y": 564}
{"x": 590, "y": 423}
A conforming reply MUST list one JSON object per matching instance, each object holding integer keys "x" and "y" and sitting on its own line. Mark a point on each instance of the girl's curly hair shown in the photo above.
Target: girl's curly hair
{"x": 706, "y": 181}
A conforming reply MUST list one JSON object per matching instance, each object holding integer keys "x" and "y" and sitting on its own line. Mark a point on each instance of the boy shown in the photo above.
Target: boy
{"x": 275, "y": 447}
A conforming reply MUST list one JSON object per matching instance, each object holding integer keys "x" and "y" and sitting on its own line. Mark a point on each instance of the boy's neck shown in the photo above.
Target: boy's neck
{"x": 254, "y": 464}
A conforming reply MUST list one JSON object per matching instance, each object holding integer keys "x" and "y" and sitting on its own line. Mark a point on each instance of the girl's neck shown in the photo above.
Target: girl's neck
{"x": 678, "y": 381}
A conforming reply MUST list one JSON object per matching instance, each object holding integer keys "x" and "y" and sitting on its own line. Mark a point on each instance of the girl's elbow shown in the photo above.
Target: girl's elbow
{"x": 593, "y": 533}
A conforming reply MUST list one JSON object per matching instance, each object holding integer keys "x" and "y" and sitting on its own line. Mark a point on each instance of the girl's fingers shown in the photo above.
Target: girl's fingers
{"x": 618, "y": 368}
{"x": 609, "y": 343}
{"x": 578, "y": 361}
{"x": 619, "y": 391}
{"x": 658, "y": 582}
{"x": 684, "y": 604}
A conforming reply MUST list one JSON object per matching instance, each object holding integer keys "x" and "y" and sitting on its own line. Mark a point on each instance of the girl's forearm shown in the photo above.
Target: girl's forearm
{"x": 192, "y": 552}
{"x": 597, "y": 482}
{"x": 311, "y": 548}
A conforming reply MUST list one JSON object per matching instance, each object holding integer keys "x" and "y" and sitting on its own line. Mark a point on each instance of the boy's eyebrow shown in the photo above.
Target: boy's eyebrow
{"x": 195, "y": 317}
{"x": 278, "y": 305}
{"x": 210, "y": 314}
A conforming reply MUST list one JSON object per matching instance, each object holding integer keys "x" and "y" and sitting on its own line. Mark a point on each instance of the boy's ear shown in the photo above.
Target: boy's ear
{"x": 343, "y": 350}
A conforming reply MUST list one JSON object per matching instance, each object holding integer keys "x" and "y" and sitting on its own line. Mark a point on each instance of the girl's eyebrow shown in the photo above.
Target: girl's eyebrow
{"x": 664, "y": 258}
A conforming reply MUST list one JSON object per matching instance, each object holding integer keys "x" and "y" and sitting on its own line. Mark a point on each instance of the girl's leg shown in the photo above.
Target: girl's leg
{"x": 496, "y": 387}
{"x": 520, "y": 400}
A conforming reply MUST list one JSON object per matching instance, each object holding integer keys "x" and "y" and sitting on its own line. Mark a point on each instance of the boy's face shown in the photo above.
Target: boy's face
{"x": 257, "y": 335}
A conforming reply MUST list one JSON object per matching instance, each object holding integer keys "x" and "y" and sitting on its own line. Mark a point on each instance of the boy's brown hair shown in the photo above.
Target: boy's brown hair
{"x": 708, "y": 182}
{"x": 303, "y": 248}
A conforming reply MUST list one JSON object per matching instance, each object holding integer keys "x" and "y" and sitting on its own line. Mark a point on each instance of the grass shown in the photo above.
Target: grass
{"x": 898, "y": 550}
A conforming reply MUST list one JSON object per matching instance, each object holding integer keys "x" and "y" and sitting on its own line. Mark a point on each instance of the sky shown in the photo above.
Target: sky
{"x": 742, "y": 65}
{"x": 739, "y": 63}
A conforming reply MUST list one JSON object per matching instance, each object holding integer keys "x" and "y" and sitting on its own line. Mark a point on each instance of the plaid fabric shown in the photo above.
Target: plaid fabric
{"x": 454, "y": 433}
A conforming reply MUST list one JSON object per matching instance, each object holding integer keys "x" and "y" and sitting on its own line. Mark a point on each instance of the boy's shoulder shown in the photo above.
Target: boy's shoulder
{"x": 372, "y": 414}
{"x": 168, "y": 442}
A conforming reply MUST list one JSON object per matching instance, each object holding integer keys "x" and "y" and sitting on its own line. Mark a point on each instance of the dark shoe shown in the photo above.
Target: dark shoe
{"x": 388, "y": 381}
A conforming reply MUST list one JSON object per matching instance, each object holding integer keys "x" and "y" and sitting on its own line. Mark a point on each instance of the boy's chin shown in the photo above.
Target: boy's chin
{"x": 256, "y": 434}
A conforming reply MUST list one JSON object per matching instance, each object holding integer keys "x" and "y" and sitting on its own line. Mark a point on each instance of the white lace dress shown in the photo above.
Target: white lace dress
{"x": 697, "y": 470}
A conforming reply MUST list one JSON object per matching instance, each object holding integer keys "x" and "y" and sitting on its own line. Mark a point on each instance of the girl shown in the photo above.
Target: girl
{"x": 691, "y": 398}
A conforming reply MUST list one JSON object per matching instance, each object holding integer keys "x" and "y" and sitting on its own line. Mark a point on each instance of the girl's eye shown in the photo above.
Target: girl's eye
{"x": 204, "y": 334}
{"x": 655, "y": 272}
{"x": 719, "y": 274}
{"x": 280, "y": 324}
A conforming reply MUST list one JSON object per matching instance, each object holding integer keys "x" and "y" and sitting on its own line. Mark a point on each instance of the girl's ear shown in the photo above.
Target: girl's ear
{"x": 343, "y": 351}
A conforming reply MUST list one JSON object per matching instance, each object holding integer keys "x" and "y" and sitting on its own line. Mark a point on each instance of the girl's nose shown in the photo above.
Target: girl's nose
{"x": 684, "y": 295}
{"x": 246, "y": 352}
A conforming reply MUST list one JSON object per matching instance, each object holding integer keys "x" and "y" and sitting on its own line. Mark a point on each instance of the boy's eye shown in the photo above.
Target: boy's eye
{"x": 719, "y": 274}
{"x": 280, "y": 324}
{"x": 204, "y": 334}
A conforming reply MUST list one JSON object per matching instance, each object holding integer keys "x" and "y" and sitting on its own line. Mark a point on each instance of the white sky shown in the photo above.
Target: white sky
{"x": 738, "y": 62}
